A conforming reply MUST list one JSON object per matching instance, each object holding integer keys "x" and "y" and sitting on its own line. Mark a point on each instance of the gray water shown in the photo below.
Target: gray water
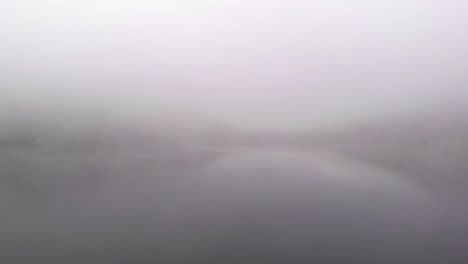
{"x": 237, "y": 206}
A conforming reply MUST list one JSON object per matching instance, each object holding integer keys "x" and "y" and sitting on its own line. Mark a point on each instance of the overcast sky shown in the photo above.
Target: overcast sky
{"x": 252, "y": 63}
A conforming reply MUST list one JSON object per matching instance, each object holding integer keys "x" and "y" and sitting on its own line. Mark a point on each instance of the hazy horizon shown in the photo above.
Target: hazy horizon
{"x": 253, "y": 64}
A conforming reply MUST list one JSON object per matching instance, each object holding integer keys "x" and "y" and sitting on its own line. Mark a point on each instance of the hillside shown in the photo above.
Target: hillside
{"x": 431, "y": 147}
{"x": 42, "y": 157}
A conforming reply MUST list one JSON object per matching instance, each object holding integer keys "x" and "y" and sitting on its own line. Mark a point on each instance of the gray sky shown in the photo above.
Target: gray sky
{"x": 253, "y": 63}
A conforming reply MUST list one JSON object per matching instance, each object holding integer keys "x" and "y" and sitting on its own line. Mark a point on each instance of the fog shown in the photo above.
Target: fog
{"x": 183, "y": 131}
{"x": 255, "y": 64}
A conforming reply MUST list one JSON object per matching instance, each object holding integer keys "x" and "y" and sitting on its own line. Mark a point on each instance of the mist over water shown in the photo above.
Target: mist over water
{"x": 204, "y": 131}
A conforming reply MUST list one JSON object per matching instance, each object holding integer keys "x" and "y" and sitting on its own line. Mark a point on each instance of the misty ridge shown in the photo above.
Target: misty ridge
{"x": 49, "y": 155}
